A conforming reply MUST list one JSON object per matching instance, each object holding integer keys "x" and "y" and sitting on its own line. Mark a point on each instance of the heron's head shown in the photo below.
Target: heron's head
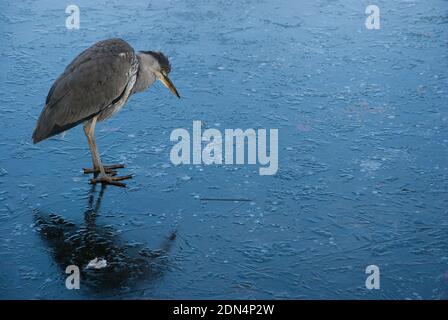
{"x": 158, "y": 64}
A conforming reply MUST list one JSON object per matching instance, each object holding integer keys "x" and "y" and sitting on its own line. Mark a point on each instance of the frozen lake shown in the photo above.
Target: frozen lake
{"x": 363, "y": 159}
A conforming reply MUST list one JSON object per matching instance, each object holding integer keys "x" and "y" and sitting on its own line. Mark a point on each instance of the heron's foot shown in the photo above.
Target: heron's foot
{"x": 110, "y": 180}
{"x": 107, "y": 169}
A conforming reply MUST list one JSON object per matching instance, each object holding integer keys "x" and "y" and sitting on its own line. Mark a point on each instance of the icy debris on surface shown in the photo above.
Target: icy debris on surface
{"x": 97, "y": 263}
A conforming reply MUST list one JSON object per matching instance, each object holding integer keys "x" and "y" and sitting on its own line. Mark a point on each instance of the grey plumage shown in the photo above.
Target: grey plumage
{"x": 89, "y": 86}
{"x": 94, "y": 86}
{"x": 161, "y": 58}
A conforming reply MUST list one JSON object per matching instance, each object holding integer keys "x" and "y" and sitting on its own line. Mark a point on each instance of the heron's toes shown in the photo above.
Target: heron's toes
{"x": 111, "y": 180}
{"x": 108, "y": 169}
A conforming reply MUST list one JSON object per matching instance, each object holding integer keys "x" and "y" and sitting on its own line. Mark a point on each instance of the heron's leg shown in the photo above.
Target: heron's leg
{"x": 89, "y": 129}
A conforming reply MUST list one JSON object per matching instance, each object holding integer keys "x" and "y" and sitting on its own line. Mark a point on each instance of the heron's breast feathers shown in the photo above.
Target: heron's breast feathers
{"x": 120, "y": 101}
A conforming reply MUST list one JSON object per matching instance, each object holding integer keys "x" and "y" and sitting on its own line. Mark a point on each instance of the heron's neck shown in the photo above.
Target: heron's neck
{"x": 145, "y": 77}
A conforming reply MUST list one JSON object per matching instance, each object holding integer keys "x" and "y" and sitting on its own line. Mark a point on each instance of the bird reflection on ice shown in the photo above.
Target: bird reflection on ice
{"x": 73, "y": 244}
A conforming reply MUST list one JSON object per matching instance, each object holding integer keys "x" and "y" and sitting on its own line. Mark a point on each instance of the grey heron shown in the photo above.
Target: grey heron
{"x": 94, "y": 86}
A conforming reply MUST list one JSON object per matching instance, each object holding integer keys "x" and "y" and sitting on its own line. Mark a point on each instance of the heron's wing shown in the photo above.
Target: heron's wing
{"x": 90, "y": 83}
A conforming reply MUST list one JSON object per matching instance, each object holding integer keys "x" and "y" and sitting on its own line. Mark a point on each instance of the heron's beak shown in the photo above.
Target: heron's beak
{"x": 167, "y": 82}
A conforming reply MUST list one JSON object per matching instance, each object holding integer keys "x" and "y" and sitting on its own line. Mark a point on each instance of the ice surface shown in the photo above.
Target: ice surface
{"x": 363, "y": 136}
